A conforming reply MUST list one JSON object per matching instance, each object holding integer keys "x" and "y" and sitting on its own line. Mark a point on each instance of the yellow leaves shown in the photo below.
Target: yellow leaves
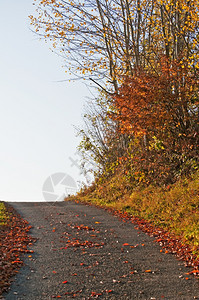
{"x": 48, "y": 28}
{"x": 197, "y": 65}
{"x": 62, "y": 33}
{"x": 78, "y": 27}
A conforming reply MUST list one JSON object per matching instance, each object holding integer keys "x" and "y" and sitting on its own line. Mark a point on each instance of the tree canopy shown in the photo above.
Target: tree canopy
{"x": 144, "y": 53}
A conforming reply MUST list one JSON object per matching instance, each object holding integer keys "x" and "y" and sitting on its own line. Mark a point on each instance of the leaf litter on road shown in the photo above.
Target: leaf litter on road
{"x": 14, "y": 241}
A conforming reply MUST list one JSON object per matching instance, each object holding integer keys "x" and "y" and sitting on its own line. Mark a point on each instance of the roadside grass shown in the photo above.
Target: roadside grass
{"x": 173, "y": 208}
{"x": 3, "y": 214}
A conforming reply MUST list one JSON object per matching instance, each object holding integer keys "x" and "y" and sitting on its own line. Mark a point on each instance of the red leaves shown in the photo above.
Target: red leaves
{"x": 17, "y": 262}
{"x": 195, "y": 272}
{"x": 82, "y": 227}
{"x": 94, "y": 294}
{"x": 109, "y": 291}
{"x": 131, "y": 246}
{"x": 83, "y": 244}
{"x": 13, "y": 242}
{"x": 140, "y": 103}
{"x": 169, "y": 242}
{"x": 73, "y": 293}
{"x": 98, "y": 294}
{"x": 65, "y": 281}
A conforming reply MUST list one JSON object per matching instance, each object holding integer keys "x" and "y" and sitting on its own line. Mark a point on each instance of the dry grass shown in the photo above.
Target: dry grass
{"x": 3, "y": 214}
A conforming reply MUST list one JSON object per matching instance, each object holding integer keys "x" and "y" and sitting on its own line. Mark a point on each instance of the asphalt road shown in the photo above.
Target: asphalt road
{"x": 85, "y": 252}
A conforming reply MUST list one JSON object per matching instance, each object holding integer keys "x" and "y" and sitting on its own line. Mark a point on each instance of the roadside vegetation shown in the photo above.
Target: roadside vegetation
{"x": 173, "y": 208}
{"x": 3, "y": 214}
{"x": 141, "y": 132}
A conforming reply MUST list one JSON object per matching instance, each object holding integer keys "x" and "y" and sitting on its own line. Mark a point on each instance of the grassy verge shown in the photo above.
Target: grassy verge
{"x": 173, "y": 208}
{"x": 3, "y": 214}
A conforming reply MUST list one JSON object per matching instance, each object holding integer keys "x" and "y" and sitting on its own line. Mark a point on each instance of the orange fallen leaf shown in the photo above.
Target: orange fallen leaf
{"x": 159, "y": 240}
{"x": 193, "y": 272}
{"x": 148, "y": 271}
{"x": 65, "y": 281}
{"x": 17, "y": 262}
{"x": 126, "y": 244}
{"x": 109, "y": 291}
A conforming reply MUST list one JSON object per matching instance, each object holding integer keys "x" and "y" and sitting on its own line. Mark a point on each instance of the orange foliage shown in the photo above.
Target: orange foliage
{"x": 157, "y": 102}
{"x": 159, "y": 114}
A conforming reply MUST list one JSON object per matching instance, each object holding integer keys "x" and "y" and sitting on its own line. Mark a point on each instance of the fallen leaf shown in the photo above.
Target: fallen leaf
{"x": 109, "y": 291}
{"x": 148, "y": 271}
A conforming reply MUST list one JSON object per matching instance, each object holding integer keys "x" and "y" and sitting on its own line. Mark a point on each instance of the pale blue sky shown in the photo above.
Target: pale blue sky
{"x": 37, "y": 113}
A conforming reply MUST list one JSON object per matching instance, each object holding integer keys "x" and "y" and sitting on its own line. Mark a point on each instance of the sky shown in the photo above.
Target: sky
{"x": 37, "y": 112}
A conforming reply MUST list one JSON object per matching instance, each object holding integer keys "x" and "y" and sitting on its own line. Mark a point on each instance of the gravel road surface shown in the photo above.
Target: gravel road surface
{"x": 84, "y": 252}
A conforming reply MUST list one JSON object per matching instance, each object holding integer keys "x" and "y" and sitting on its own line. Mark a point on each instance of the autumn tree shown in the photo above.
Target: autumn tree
{"x": 103, "y": 39}
{"x": 101, "y": 143}
{"x": 99, "y": 39}
{"x": 164, "y": 123}
{"x": 145, "y": 54}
